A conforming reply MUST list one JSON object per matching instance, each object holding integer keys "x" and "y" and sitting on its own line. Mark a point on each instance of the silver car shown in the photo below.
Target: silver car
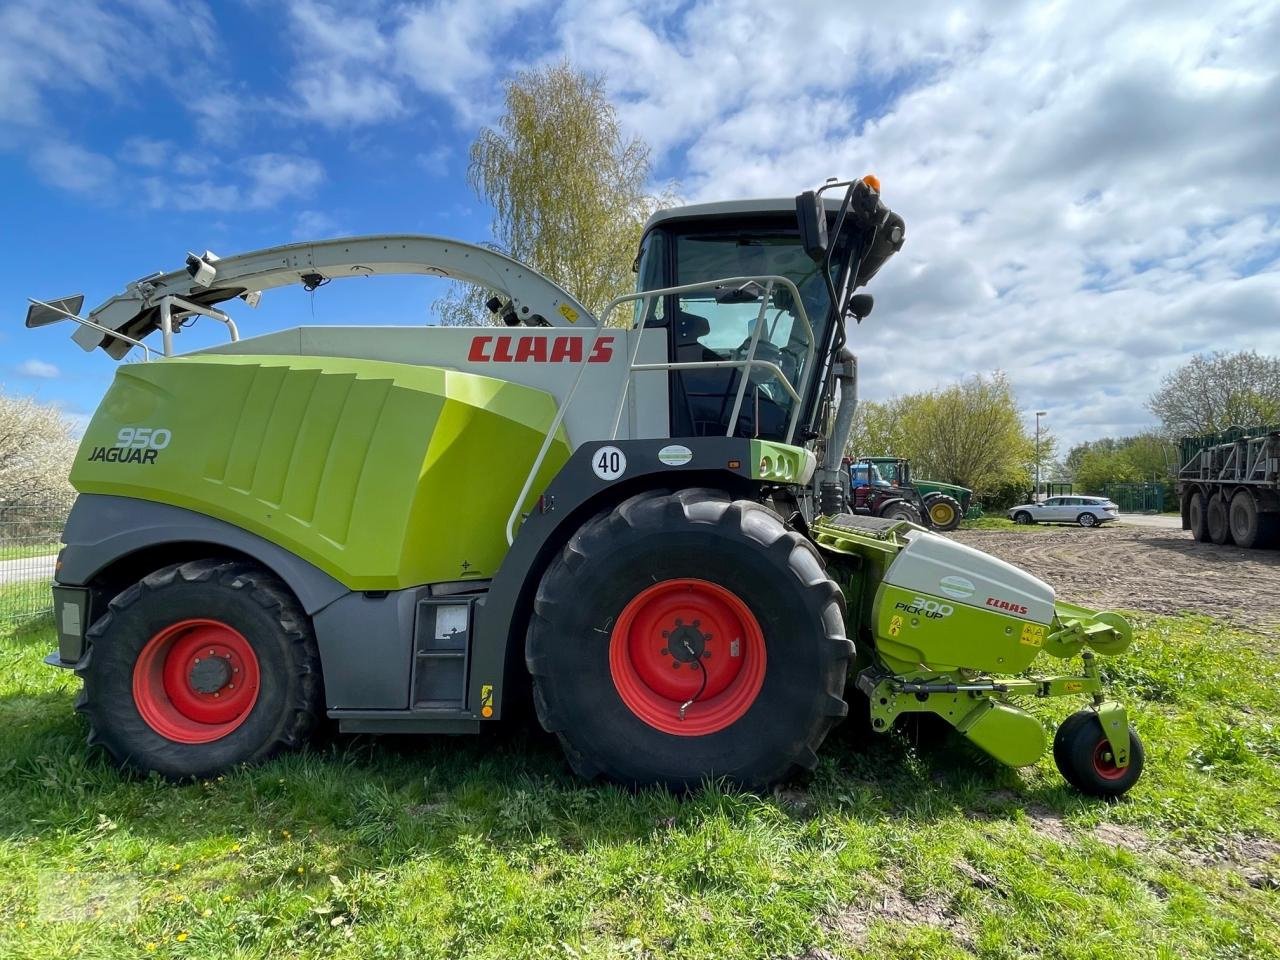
{"x": 1086, "y": 511}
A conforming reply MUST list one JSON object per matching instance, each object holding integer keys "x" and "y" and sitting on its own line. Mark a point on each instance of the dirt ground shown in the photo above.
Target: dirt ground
{"x": 1161, "y": 571}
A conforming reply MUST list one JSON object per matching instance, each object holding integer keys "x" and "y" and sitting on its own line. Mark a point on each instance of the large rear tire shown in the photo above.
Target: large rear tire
{"x": 1216, "y": 520}
{"x": 685, "y": 636}
{"x": 198, "y": 667}
{"x": 1197, "y": 516}
{"x": 944, "y": 512}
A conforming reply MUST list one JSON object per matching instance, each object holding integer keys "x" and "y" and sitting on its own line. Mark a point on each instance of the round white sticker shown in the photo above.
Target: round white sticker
{"x": 609, "y": 463}
{"x": 958, "y": 588}
{"x": 675, "y": 455}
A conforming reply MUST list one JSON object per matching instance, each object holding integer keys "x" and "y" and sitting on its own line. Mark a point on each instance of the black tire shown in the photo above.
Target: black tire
{"x": 1197, "y": 516}
{"x": 1022, "y": 517}
{"x": 943, "y": 512}
{"x": 1080, "y": 751}
{"x": 255, "y": 605}
{"x": 1244, "y": 521}
{"x": 1216, "y": 520}
{"x": 659, "y": 538}
{"x": 1087, "y": 519}
{"x": 896, "y": 508}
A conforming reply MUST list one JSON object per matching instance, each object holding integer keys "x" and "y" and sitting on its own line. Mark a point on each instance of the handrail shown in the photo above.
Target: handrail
{"x": 169, "y": 301}
{"x": 770, "y": 280}
{"x": 146, "y": 351}
{"x": 747, "y": 363}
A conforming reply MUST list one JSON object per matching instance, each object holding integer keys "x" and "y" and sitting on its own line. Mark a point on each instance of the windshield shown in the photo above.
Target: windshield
{"x": 716, "y": 325}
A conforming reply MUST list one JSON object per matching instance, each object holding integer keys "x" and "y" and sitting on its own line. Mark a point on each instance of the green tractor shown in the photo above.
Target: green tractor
{"x": 882, "y": 487}
{"x": 643, "y": 529}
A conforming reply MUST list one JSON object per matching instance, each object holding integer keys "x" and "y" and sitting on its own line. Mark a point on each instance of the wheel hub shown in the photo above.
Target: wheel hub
{"x": 686, "y": 643}
{"x": 210, "y": 674}
{"x": 698, "y": 625}
{"x": 195, "y": 681}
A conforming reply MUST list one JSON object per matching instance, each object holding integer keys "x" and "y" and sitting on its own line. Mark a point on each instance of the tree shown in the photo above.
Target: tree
{"x": 1215, "y": 391}
{"x": 970, "y": 433}
{"x": 1146, "y": 457}
{"x": 36, "y": 451}
{"x": 566, "y": 186}
{"x": 1100, "y": 467}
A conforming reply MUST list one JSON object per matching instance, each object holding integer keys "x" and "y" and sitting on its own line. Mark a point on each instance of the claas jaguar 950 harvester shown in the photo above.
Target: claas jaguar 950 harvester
{"x": 637, "y": 521}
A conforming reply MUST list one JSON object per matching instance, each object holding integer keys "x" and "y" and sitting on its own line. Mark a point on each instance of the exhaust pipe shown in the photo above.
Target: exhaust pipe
{"x": 833, "y": 488}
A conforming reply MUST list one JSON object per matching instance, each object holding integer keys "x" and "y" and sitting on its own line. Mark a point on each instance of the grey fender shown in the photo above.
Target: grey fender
{"x": 102, "y": 530}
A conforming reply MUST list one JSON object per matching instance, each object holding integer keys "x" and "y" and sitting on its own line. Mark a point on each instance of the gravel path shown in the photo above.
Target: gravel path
{"x": 1144, "y": 568}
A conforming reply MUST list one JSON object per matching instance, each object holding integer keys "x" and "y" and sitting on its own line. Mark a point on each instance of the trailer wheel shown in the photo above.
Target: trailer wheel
{"x": 943, "y": 511}
{"x": 1216, "y": 520}
{"x": 1244, "y": 520}
{"x": 684, "y": 636}
{"x": 1197, "y": 516}
{"x": 198, "y": 667}
{"x": 1083, "y": 756}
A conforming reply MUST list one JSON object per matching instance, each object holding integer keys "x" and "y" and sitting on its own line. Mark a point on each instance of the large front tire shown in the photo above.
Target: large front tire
{"x": 944, "y": 512}
{"x": 686, "y": 636}
{"x": 198, "y": 667}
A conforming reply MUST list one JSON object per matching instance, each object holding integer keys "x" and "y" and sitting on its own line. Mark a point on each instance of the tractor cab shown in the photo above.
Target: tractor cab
{"x": 743, "y": 281}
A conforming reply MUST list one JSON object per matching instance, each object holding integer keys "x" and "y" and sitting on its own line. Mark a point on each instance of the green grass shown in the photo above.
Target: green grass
{"x": 999, "y": 522}
{"x": 21, "y": 551}
{"x": 469, "y": 848}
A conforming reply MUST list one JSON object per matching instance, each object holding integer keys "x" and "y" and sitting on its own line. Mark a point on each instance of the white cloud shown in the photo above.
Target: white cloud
{"x": 50, "y": 47}
{"x": 39, "y": 369}
{"x": 1090, "y": 192}
{"x": 257, "y": 182}
{"x": 362, "y": 66}
{"x": 72, "y": 167}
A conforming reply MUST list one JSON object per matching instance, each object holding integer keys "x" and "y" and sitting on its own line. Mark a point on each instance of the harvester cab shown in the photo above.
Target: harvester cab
{"x": 312, "y": 522}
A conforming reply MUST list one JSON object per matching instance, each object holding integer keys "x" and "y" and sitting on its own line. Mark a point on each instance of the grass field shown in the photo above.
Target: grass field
{"x": 441, "y": 848}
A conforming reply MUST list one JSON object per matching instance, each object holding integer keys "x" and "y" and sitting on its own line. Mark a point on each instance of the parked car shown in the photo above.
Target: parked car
{"x": 1086, "y": 511}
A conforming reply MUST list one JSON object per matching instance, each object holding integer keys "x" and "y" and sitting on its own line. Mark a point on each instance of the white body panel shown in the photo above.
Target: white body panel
{"x": 938, "y": 567}
{"x": 510, "y": 353}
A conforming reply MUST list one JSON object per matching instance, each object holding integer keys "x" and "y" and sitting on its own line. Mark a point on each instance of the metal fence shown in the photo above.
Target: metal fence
{"x": 29, "y": 535}
{"x": 1139, "y": 497}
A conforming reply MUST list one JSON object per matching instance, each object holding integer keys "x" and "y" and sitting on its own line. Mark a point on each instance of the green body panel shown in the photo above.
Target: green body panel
{"x": 950, "y": 489}
{"x": 1009, "y": 734}
{"x": 384, "y": 475}
{"x": 779, "y": 462}
{"x": 948, "y": 635}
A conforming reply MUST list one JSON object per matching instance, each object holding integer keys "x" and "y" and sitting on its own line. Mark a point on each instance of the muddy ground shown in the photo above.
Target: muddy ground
{"x": 1161, "y": 571}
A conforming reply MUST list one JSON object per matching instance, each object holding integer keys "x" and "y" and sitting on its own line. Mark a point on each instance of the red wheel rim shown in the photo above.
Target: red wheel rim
{"x": 1104, "y": 762}
{"x": 660, "y": 639}
{"x": 196, "y": 681}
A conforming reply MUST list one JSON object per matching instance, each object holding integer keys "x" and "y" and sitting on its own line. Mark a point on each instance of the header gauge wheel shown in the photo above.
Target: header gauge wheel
{"x": 686, "y": 636}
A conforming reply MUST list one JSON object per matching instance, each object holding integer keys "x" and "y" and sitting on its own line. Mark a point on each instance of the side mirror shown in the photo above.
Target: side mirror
{"x": 41, "y": 315}
{"x": 859, "y": 305}
{"x": 811, "y": 215}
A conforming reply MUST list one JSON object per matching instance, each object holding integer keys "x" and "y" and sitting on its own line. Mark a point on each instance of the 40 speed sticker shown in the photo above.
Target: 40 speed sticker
{"x": 609, "y": 463}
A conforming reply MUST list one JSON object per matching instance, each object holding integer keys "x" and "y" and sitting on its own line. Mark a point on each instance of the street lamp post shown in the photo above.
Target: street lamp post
{"x": 1036, "y": 496}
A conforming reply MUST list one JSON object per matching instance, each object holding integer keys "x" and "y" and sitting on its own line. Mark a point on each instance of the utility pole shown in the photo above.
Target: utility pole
{"x": 1036, "y": 496}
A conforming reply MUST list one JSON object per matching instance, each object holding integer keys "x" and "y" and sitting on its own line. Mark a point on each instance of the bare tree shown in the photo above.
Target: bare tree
{"x": 568, "y": 189}
{"x": 1216, "y": 391}
{"x": 36, "y": 451}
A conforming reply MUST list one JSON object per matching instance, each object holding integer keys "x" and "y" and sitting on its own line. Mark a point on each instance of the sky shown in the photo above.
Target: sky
{"x": 1091, "y": 191}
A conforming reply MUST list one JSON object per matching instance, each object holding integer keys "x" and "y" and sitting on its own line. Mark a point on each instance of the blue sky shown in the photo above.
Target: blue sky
{"x": 1092, "y": 193}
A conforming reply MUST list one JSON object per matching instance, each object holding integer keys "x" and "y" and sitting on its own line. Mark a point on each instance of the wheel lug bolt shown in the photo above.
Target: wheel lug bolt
{"x": 197, "y": 659}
